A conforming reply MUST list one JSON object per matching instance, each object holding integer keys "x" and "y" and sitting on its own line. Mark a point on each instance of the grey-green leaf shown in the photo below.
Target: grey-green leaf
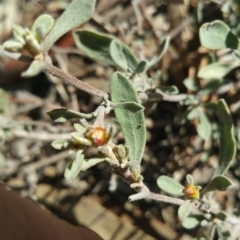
{"x": 64, "y": 114}
{"x": 97, "y": 46}
{"x": 190, "y": 84}
{"x": 13, "y": 45}
{"x": 221, "y": 216}
{"x": 193, "y": 114}
{"x": 74, "y": 167}
{"x": 169, "y": 89}
{"x": 184, "y": 210}
{"x": 42, "y": 26}
{"x": 77, "y": 13}
{"x": 132, "y": 124}
{"x": 190, "y": 222}
{"x": 163, "y": 47}
{"x": 220, "y": 183}
{"x": 189, "y": 179}
{"x": 94, "y": 45}
{"x": 60, "y": 144}
{"x": 116, "y": 52}
{"x": 204, "y": 126}
{"x": 79, "y": 128}
{"x": 222, "y": 234}
{"x": 34, "y": 69}
{"x": 141, "y": 67}
{"x": 87, "y": 163}
{"x": 217, "y": 35}
{"x": 227, "y": 148}
{"x": 210, "y": 106}
{"x": 210, "y": 87}
{"x": 130, "y": 106}
{"x": 216, "y": 70}
{"x": 170, "y": 186}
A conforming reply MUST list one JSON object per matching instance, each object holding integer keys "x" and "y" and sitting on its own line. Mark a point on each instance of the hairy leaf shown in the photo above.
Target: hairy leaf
{"x": 191, "y": 222}
{"x": 97, "y": 46}
{"x": 220, "y": 183}
{"x": 87, "y": 163}
{"x": 164, "y": 46}
{"x": 217, "y": 35}
{"x": 64, "y": 114}
{"x": 204, "y": 128}
{"x": 132, "y": 124}
{"x": 227, "y": 146}
{"x": 190, "y": 84}
{"x": 116, "y": 52}
{"x": 74, "y": 167}
{"x": 216, "y": 70}
{"x": 170, "y": 186}
{"x": 34, "y": 69}
{"x": 60, "y": 144}
{"x": 77, "y": 13}
{"x": 42, "y": 26}
{"x": 141, "y": 67}
{"x": 169, "y": 89}
{"x": 184, "y": 210}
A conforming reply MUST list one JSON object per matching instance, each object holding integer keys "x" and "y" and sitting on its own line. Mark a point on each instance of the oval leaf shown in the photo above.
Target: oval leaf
{"x": 60, "y": 144}
{"x": 77, "y": 13}
{"x": 87, "y": 163}
{"x": 94, "y": 45}
{"x": 79, "y": 128}
{"x": 141, "y": 67}
{"x": 189, "y": 179}
{"x": 64, "y": 114}
{"x": 169, "y": 89}
{"x": 116, "y": 52}
{"x": 216, "y": 70}
{"x": 42, "y": 26}
{"x": 74, "y": 167}
{"x": 227, "y": 148}
{"x": 190, "y": 222}
{"x": 13, "y": 45}
{"x": 204, "y": 126}
{"x": 170, "y": 186}
{"x": 132, "y": 124}
{"x": 190, "y": 84}
{"x": 217, "y": 35}
{"x": 97, "y": 46}
{"x": 184, "y": 210}
{"x": 220, "y": 183}
{"x": 221, "y": 216}
{"x": 34, "y": 69}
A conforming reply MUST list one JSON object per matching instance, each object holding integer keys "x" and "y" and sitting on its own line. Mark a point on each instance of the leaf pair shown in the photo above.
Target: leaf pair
{"x": 80, "y": 164}
{"x": 105, "y": 48}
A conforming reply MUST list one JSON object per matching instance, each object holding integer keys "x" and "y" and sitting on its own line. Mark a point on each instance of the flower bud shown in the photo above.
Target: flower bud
{"x": 97, "y": 135}
{"x": 191, "y": 192}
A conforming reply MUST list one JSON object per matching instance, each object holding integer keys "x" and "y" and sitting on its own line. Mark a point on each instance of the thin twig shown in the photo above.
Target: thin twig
{"x": 74, "y": 81}
{"x": 58, "y": 73}
{"x": 144, "y": 193}
{"x": 42, "y": 136}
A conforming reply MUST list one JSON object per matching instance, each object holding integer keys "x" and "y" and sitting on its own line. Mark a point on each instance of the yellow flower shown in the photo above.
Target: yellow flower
{"x": 191, "y": 192}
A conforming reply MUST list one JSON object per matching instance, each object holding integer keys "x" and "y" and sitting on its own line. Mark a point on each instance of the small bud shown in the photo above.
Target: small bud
{"x": 191, "y": 192}
{"x": 97, "y": 135}
{"x": 79, "y": 139}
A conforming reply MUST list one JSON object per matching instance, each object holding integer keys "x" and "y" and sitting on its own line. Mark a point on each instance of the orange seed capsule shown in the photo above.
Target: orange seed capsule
{"x": 97, "y": 135}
